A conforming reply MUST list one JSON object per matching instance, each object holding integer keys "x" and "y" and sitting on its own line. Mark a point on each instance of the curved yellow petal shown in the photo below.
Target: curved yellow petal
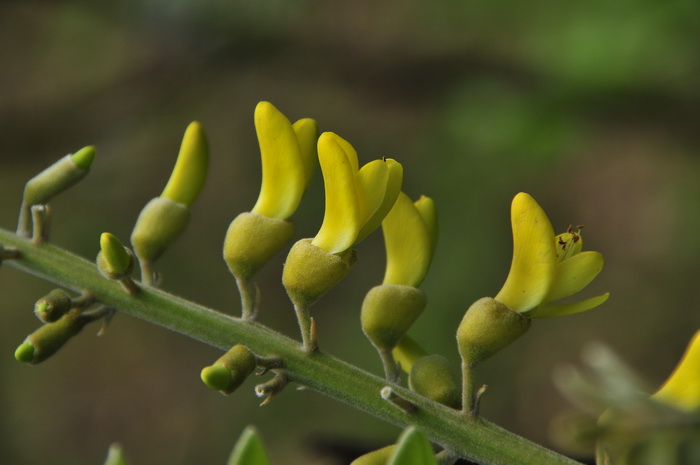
{"x": 407, "y": 351}
{"x": 534, "y": 256}
{"x": 306, "y": 131}
{"x": 371, "y": 187}
{"x": 341, "y": 221}
{"x": 408, "y": 248}
{"x": 350, "y": 152}
{"x": 283, "y": 172}
{"x": 190, "y": 172}
{"x": 376, "y": 213}
{"x": 574, "y": 273}
{"x": 682, "y": 388}
{"x": 548, "y": 311}
{"x": 426, "y": 208}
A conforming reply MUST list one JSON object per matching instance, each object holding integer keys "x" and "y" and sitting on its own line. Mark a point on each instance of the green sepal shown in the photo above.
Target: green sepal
{"x": 230, "y": 370}
{"x": 52, "y": 181}
{"x": 412, "y": 448}
{"x": 376, "y": 457}
{"x": 252, "y": 240}
{"x": 310, "y": 271}
{"x": 487, "y": 327}
{"x": 249, "y": 449}
{"x": 432, "y": 376}
{"x": 160, "y": 222}
{"x": 53, "y": 306}
{"x": 114, "y": 261}
{"x": 388, "y": 311}
{"x": 49, "y": 338}
{"x": 115, "y": 456}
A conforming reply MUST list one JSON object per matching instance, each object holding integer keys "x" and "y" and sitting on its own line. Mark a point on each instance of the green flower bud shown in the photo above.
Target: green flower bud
{"x": 310, "y": 271}
{"x": 52, "y": 181}
{"x": 432, "y": 376}
{"x": 53, "y": 305}
{"x": 190, "y": 172}
{"x": 229, "y": 371}
{"x": 161, "y": 222}
{"x": 114, "y": 261}
{"x": 249, "y": 449}
{"x": 115, "y": 456}
{"x": 487, "y": 327}
{"x": 251, "y": 241}
{"x": 48, "y": 339}
{"x": 388, "y": 311}
{"x": 376, "y": 457}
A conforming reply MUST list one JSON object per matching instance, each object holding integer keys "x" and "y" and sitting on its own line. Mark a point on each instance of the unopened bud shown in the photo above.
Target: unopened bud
{"x": 48, "y": 339}
{"x": 161, "y": 222}
{"x": 53, "y": 305}
{"x": 388, "y": 311}
{"x": 432, "y": 376}
{"x": 376, "y": 457}
{"x": 229, "y": 371}
{"x": 114, "y": 261}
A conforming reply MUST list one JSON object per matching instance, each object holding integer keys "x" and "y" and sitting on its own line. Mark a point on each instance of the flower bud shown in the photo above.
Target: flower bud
{"x": 249, "y": 449}
{"x": 251, "y": 241}
{"x": 115, "y": 456}
{"x": 48, "y": 339}
{"x": 161, "y": 222}
{"x": 376, "y": 457}
{"x": 114, "y": 261}
{"x": 53, "y": 306}
{"x": 310, "y": 271}
{"x": 229, "y": 371}
{"x": 487, "y": 327}
{"x": 432, "y": 376}
{"x": 52, "y": 181}
{"x": 190, "y": 171}
{"x": 388, "y": 311}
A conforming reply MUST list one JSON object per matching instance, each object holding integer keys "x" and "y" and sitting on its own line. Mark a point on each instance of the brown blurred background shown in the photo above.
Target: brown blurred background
{"x": 592, "y": 107}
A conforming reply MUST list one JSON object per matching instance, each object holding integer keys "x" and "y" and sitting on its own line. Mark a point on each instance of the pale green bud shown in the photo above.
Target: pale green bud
{"x": 249, "y": 449}
{"x": 48, "y": 339}
{"x": 251, "y": 241}
{"x": 53, "y": 305}
{"x": 388, "y": 311}
{"x": 52, "y": 181}
{"x": 432, "y": 376}
{"x": 115, "y": 456}
{"x": 161, "y": 222}
{"x": 487, "y": 327}
{"x": 229, "y": 371}
{"x": 114, "y": 261}
{"x": 310, "y": 271}
{"x": 376, "y": 457}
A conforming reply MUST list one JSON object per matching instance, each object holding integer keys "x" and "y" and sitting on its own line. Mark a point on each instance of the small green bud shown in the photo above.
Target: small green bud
{"x": 412, "y": 448}
{"x": 115, "y": 456}
{"x": 251, "y": 241}
{"x": 487, "y": 327}
{"x": 52, "y": 181}
{"x": 249, "y": 449}
{"x": 114, "y": 261}
{"x": 161, "y": 222}
{"x": 190, "y": 172}
{"x": 388, "y": 311}
{"x": 376, "y": 457}
{"x": 310, "y": 271}
{"x": 48, "y": 339}
{"x": 53, "y": 305}
{"x": 25, "y": 352}
{"x": 229, "y": 371}
{"x": 432, "y": 376}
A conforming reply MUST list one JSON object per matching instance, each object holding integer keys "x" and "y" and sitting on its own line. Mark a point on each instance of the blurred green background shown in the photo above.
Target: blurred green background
{"x": 591, "y": 107}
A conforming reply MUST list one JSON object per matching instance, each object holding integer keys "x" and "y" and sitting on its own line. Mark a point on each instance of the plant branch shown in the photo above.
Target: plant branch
{"x": 470, "y": 437}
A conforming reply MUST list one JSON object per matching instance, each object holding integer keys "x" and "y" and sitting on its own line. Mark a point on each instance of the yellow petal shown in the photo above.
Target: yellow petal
{"x": 341, "y": 221}
{"x": 375, "y": 213}
{"x": 427, "y": 210}
{"x": 350, "y": 152}
{"x": 574, "y": 273}
{"x": 534, "y": 257}
{"x": 406, "y": 352}
{"x": 682, "y": 388}
{"x": 307, "y": 134}
{"x": 547, "y": 311}
{"x": 407, "y": 242}
{"x": 283, "y": 172}
{"x": 190, "y": 170}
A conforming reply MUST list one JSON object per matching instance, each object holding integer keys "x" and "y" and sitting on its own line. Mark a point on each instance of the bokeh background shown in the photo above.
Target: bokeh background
{"x": 592, "y": 107}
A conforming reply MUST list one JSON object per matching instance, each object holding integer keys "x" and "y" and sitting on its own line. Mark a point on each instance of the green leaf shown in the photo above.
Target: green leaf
{"x": 412, "y": 448}
{"x": 249, "y": 449}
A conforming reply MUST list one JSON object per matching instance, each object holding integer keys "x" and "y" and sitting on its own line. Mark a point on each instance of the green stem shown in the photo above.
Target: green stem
{"x": 471, "y": 437}
{"x": 467, "y": 389}
{"x": 248, "y": 291}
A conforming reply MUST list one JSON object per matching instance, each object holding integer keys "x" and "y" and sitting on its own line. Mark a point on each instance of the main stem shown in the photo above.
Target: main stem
{"x": 471, "y": 437}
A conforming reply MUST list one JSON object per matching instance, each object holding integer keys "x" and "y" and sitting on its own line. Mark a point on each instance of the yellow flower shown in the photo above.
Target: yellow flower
{"x": 546, "y": 267}
{"x": 357, "y": 200}
{"x": 682, "y": 388}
